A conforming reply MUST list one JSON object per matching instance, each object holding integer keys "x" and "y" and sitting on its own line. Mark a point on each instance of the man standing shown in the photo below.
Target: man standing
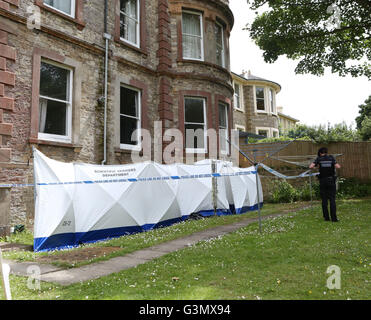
{"x": 327, "y": 179}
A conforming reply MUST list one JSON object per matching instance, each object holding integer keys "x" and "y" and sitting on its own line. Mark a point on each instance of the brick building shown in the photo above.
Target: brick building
{"x": 160, "y": 59}
{"x": 255, "y": 109}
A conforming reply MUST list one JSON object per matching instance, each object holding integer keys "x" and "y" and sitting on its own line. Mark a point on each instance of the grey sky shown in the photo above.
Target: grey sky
{"x": 311, "y": 99}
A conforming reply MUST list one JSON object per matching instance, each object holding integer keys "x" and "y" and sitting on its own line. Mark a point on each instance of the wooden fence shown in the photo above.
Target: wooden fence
{"x": 355, "y": 160}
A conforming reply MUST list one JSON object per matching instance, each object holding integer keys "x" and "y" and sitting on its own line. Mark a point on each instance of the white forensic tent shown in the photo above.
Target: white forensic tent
{"x": 79, "y": 203}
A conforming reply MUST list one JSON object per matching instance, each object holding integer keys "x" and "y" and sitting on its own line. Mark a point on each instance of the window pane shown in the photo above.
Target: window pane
{"x": 54, "y": 82}
{"x": 195, "y": 139}
{"x": 129, "y": 102}
{"x": 260, "y": 93}
{"x": 53, "y": 116}
{"x": 223, "y": 136}
{"x": 127, "y": 127}
{"x": 128, "y": 29}
{"x": 271, "y": 99}
{"x": 260, "y": 104}
{"x": 192, "y": 47}
{"x": 219, "y": 56}
{"x": 191, "y": 24}
{"x": 263, "y": 133}
{"x": 129, "y": 7}
{"x": 219, "y": 35}
{"x": 194, "y": 110}
{"x": 222, "y": 116}
{"x": 237, "y": 96}
{"x": 62, "y": 5}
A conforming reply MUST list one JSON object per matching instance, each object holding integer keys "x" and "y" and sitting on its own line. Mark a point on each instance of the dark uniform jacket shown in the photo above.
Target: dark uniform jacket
{"x": 326, "y": 166}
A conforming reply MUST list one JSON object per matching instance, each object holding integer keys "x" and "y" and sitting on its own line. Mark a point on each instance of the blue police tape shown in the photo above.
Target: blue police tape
{"x": 193, "y": 176}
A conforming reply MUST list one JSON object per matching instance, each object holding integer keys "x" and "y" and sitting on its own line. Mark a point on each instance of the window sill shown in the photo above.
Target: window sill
{"x": 132, "y": 47}
{"x": 77, "y": 147}
{"x": 79, "y": 23}
{"x": 239, "y": 110}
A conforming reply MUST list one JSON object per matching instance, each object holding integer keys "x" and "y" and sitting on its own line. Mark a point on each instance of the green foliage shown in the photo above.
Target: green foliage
{"x": 284, "y": 192}
{"x": 366, "y": 128}
{"x": 364, "y": 112}
{"x": 352, "y": 188}
{"x": 316, "y": 32}
{"x": 320, "y": 134}
{"x": 364, "y": 120}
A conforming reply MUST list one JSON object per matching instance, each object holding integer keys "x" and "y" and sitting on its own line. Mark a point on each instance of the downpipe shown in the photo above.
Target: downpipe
{"x": 107, "y": 37}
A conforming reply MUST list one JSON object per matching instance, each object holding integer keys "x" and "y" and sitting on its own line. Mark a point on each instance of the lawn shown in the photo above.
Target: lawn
{"x": 287, "y": 261}
{"x": 104, "y": 250}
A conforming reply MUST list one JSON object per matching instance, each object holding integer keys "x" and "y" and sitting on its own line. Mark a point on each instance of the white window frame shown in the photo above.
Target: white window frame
{"x": 137, "y": 29}
{"x": 138, "y": 146}
{"x": 256, "y": 100}
{"x": 73, "y": 8}
{"x": 238, "y": 127}
{"x": 196, "y": 150}
{"x": 272, "y": 101}
{"x": 201, "y": 36}
{"x": 275, "y": 130}
{"x": 224, "y": 152}
{"x": 240, "y": 97}
{"x": 223, "y": 46}
{"x": 69, "y": 105}
{"x": 267, "y": 129}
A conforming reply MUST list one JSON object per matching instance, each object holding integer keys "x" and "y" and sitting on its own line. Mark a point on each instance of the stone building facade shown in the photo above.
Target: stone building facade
{"x": 255, "y": 109}
{"x": 165, "y": 58}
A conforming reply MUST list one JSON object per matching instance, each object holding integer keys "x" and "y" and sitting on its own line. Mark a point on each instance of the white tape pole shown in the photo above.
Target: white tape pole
{"x": 4, "y": 275}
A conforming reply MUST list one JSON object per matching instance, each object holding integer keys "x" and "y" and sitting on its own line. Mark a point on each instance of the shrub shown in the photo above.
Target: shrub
{"x": 284, "y": 192}
{"x": 352, "y": 188}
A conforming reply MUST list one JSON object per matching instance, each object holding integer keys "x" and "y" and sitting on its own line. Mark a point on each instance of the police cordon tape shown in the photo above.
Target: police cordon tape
{"x": 144, "y": 179}
{"x": 193, "y": 176}
{"x": 282, "y": 176}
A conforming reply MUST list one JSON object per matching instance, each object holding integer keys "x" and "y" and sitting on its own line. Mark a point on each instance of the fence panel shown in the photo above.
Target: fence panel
{"x": 355, "y": 160}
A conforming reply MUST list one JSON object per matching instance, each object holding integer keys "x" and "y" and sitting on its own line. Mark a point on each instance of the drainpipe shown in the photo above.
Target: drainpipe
{"x": 107, "y": 37}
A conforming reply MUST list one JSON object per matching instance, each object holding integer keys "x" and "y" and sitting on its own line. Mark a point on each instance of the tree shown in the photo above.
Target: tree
{"x": 364, "y": 119}
{"x": 366, "y": 129}
{"x": 321, "y": 33}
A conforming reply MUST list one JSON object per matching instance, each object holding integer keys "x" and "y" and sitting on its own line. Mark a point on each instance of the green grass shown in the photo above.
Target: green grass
{"x": 288, "y": 261}
{"x": 139, "y": 241}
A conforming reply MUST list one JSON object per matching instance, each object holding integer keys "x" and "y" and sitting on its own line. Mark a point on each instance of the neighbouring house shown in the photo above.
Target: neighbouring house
{"x": 286, "y": 122}
{"x": 166, "y": 61}
{"x": 254, "y": 105}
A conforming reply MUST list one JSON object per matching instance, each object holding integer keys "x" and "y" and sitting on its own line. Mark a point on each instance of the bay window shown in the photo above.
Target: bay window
{"x": 55, "y": 102}
{"x": 192, "y": 36}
